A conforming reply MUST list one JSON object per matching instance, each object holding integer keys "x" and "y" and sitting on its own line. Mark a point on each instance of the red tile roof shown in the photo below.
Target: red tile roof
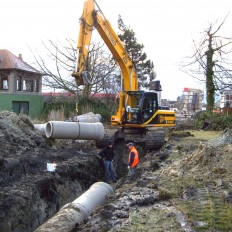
{"x": 67, "y": 94}
{"x": 49, "y": 94}
{"x": 9, "y": 61}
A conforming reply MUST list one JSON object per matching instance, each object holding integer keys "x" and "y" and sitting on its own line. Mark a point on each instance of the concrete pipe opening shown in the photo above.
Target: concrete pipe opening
{"x": 49, "y": 130}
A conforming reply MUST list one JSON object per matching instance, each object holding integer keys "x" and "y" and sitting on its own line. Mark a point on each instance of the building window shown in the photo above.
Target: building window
{"x": 228, "y": 102}
{"x": 25, "y": 85}
{"x": 4, "y": 84}
{"x": 19, "y": 84}
{"x": 229, "y": 97}
{"x": 36, "y": 85}
{"x": 29, "y": 85}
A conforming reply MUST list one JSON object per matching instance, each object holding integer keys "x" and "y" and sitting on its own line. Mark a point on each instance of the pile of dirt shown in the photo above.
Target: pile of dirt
{"x": 200, "y": 182}
{"x": 29, "y": 195}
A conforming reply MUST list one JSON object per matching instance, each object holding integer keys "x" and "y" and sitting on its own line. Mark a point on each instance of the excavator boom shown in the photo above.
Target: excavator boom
{"x": 94, "y": 18}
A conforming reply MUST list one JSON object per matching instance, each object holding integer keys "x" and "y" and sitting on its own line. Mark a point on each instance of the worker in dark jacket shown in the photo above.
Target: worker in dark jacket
{"x": 133, "y": 159}
{"x": 107, "y": 155}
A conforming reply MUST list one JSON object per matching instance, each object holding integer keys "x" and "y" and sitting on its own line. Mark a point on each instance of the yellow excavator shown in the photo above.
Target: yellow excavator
{"x": 139, "y": 118}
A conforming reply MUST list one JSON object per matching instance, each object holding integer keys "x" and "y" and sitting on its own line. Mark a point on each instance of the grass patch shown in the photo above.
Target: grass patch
{"x": 206, "y": 135}
{"x": 205, "y": 209}
{"x": 152, "y": 219}
{"x": 164, "y": 194}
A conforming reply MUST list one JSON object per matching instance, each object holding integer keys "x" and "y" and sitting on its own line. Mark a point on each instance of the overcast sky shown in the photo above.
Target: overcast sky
{"x": 165, "y": 27}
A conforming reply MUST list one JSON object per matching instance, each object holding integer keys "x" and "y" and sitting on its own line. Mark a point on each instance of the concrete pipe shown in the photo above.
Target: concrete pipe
{"x": 40, "y": 127}
{"x": 74, "y": 130}
{"x": 89, "y": 117}
{"x": 74, "y": 213}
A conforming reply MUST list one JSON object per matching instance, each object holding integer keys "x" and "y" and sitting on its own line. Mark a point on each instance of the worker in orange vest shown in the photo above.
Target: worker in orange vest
{"x": 133, "y": 159}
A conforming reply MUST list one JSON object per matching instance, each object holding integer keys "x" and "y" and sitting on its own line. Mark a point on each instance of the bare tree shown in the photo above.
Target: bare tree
{"x": 57, "y": 62}
{"x": 210, "y": 62}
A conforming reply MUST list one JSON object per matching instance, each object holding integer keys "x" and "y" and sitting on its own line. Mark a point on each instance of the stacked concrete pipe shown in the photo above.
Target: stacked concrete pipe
{"x": 76, "y": 212}
{"x": 74, "y": 130}
{"x": 88, "y": 117}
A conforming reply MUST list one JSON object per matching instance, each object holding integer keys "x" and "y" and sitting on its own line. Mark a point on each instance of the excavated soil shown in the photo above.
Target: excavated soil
{"x": 29, "y": 195}
{"x": 185, "y": 186}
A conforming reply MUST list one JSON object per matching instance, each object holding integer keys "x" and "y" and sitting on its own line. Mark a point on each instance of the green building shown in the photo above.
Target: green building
{"x": 20, "y": 86}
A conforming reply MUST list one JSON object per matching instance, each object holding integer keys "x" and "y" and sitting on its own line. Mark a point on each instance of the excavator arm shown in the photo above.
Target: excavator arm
{"x": 92, "y": 17}
{"x": 84, "y": 39}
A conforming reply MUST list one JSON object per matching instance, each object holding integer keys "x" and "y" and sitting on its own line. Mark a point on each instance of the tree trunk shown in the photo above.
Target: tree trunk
{"x": 210, "y": 88}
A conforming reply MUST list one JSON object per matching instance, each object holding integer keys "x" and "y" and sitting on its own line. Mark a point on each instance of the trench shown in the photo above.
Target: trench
{"x": 30, "y": 195}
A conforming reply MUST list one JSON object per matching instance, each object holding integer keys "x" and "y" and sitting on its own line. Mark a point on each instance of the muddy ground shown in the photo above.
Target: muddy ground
{"x": 29, "y": 195}
{"x": 185, "y": 186}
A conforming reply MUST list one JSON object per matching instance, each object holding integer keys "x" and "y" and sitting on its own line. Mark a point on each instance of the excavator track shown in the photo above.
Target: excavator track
{"x": 149, "y": 140}
{"x": 154, "y": 140}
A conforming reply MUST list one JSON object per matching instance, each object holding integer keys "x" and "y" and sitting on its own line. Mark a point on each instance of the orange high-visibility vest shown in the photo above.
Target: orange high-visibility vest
{"x": 136, "y": 159}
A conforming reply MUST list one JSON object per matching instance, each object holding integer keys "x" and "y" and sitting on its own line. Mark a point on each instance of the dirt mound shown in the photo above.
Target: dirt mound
{"x": 200, "y": 182}
{"x": 29, "y": 194}
{"x": 17, "y": 134}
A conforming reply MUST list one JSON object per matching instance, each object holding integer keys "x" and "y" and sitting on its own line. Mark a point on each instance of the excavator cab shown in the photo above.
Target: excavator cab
{"x": 140, "y": 106}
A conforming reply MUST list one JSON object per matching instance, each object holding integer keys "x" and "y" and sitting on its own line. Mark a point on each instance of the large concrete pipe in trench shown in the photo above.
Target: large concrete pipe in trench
{"x": 74, "y": 213}
{"x": 74, "y": 130}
